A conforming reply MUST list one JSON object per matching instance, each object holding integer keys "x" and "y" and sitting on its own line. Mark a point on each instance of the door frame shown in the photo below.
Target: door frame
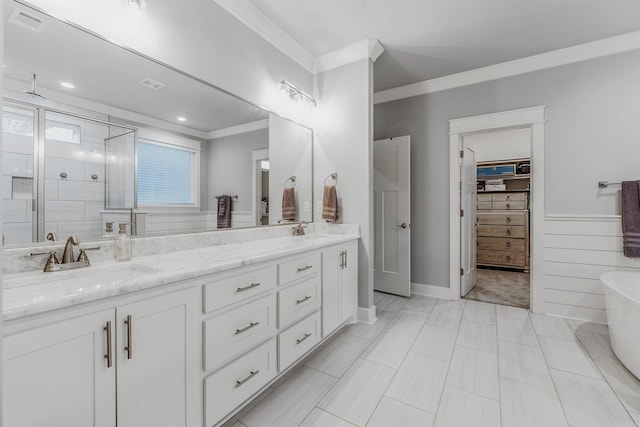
{"x": 534, "y": 119}
{"x": 256, "y": 181}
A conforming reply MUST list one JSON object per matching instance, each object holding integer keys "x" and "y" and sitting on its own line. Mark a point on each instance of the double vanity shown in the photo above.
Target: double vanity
{"x": 174, "y": 337}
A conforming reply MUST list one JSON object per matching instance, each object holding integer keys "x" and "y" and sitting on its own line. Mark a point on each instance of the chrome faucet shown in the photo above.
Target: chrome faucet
{"x": 67, "y": 255}
{"x": 298, "y": 230}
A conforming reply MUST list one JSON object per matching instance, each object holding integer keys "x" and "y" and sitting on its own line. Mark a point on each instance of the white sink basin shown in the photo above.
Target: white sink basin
{"x": 93, "y": 276}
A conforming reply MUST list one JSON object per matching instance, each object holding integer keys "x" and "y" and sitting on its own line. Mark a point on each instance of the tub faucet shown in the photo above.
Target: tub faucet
{"x": 67, "y": 255}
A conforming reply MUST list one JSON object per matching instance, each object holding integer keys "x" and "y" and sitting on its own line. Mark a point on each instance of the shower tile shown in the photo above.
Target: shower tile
{"x": 568, "y": 356}
{"x": 435, "y": 342}
{"x": 393, "y": 413}
{"x": 474, "y": 371}
{"x": 461, "y": 408}
{"x": 15, "y": 210}
{"x": 478, "y": 336}
{"x": 419, "y": 382}
{"x": 80, "y": 190}
{"x": 93, "y": 211}
{"x": 390, "y": 348}
{"x": 85, "y": 230}
{"x": 527, "y": 405}
{"x": 17, "y": 164}
{"x": 15, "y": 143}
{"x": 51, "y": 189}
{"x": 552, "y": 327}
{"x": 409, "y": 321}
{"x": 356, "y": 395}
{"x": 589, "y": 401}
{"x": 72, "y": 167}
{"x": 480, "y": 312}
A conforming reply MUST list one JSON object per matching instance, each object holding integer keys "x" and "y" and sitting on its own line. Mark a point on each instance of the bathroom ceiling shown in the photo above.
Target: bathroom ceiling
{"x": 425, "y": 39}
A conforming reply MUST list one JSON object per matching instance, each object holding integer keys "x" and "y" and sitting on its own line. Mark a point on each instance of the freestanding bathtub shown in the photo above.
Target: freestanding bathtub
{"x": 622, "y": 299}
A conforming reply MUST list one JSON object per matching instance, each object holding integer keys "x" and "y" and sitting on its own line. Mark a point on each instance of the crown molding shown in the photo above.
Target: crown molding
{"x": 251, "y": 16}
{"x": 235, "y": 130}
{"x": 597, "y": 49}
{"x": 366, "y": 48}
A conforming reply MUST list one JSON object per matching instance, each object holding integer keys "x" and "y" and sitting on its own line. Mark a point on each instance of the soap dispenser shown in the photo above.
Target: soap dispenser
{"x": 122, "y": 244}
{"x": 108, "y": 230}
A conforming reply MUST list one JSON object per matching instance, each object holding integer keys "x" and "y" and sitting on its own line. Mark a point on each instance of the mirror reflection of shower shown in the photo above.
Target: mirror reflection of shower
{"x": 83, "y": 168}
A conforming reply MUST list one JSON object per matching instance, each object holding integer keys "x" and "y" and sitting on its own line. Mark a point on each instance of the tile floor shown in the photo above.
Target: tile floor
{"x": 429, "y": 362}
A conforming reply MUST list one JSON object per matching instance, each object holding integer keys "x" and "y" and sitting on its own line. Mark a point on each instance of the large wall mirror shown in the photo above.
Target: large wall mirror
{"x": 102, "y": 134}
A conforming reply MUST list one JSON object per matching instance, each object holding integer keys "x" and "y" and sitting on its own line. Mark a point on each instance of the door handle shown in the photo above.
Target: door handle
{"x": 404, "y": 225}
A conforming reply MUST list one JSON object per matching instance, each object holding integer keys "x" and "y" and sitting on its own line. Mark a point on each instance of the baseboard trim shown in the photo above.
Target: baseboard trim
{"x": 367, "y": 315}
{"x": 430, "y": 290}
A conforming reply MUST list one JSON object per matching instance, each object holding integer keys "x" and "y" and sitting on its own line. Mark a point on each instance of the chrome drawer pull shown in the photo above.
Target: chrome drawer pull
{"x": 299, "y": 340}
{"x": 251, "y": 375}
{"x": 128, "y": 348}
{"x": 306, "y": 267}
{"x": 246, "y": 328}
{"x": 246, "y": 288}
{"x": 300, "y": 301}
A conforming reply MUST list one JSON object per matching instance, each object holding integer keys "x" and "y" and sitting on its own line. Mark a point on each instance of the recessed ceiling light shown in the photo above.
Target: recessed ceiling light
{"x": 67, "y": 85}
{"x": 182, "y": 119}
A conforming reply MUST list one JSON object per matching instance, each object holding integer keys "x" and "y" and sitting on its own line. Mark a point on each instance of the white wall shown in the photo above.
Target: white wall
{"x": 343, "y": 144}
{"x": 502, "y": 145}
{"x": 591, "y": 134}
{"x": 199, "y": 37}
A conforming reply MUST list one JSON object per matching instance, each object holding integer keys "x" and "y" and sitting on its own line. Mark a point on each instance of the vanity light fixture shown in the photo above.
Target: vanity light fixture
{"x": 67, "y": 85}
{"x": 137, "y": 4}
{"x": 294, "y": 93}
{"x": 182, "y": 119}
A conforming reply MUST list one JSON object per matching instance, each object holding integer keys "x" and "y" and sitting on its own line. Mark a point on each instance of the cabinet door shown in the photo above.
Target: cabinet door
{"x": 158, "y": 363}
{"x": 349, "y": 283}
{"x": 57, "y": 375}
{"x": 331, "y": 296}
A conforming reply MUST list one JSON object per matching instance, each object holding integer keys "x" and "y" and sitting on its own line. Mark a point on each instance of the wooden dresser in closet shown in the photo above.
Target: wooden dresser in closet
{"x": 503, "y": 229}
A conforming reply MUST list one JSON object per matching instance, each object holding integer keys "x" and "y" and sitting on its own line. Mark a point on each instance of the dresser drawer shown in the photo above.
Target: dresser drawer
{"x": 297, "y": 340}
{"x": 500, "y": 244}
{"x": 481, "y": 206}
{"x": 231, "y": 289}
{"x": 483, "y": 197}
{"x": 238, "y": 381}
{"x": 298, "y": 300}
{"x": 230, "y": 334}
{"x": 508, "y": 197}
{"x": 298, "y": 268}
{"x": 516, "y": 231}
{"x": 502, "y": 218}
{"x": 507, "y": 206}
{"x": 515, "y": 259}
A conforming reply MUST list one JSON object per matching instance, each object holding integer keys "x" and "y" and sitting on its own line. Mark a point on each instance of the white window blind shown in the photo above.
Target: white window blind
{"x": 165, "y": 175}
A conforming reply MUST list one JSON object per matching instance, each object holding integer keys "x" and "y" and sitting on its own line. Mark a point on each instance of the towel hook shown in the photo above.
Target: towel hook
{"x": 333, "y": 176}
{"x": 292, "y": 178}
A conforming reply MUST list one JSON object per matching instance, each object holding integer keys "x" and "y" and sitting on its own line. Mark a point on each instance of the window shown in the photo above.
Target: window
{"x": 167, "y": 175}
{"x": 62, "y": 132}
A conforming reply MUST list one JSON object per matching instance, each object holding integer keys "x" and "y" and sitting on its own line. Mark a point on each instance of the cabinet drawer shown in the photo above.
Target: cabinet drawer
{"x": 236, "y": 382}
{"x": 502, "y": 218}
{"x": 483, "y": 197}
{"x": 515, "y": 259}
{"x": 484, "y": 206}
{"x": 500, "y": 244}
{"x": 508, "y": 197}
{"x": 299, "y": 268}
{"x": 298, "y": 300}
{"x": 297, "y": 340}
{"x": 509, "y": 205}
{"x": 231, "y": 333}
{"x": 516, "y": 231}
{"x": 245, "y": 284}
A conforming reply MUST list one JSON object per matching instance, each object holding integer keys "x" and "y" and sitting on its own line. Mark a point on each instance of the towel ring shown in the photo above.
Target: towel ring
{"x": 333, "y": 176}
{"x": 291, "y": 179}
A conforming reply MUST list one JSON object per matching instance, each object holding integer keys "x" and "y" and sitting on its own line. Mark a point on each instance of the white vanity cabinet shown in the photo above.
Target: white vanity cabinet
{"x": 58, "y": 374}
{"x": 339, "y": 285}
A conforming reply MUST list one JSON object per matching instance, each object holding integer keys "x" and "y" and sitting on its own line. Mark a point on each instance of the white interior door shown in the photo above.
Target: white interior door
{"x": 391, "y": 190}
{"x": 468, "y": 188}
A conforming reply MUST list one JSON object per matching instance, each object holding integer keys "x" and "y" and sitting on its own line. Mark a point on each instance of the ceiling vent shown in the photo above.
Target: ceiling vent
{"x": 28, "y": 21}
{"x": 153, "y": 84}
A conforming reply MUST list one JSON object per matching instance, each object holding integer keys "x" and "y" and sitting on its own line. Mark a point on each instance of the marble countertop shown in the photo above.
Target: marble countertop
{"x": 31, "y": 293}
